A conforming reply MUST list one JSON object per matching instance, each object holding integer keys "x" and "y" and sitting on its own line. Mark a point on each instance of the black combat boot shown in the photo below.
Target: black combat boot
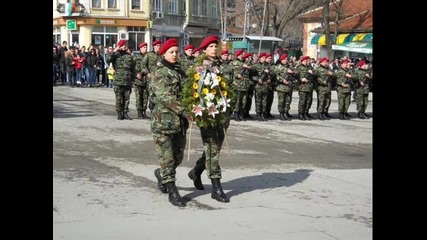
{"x": 174, "y": 196}
{"x": 217, "y": 192}
{"x": 341, "y": 116}
{"x": 308, "y": 116}
{"x": 160, "y": 185}
{"x": 247, "y": 115}
{"x": 360, "y": 115}
{"x": 366, "y": 115}
{"x": 144, "y": 115}
{"x": 236, "y": 117}
{"x": 119, "y": 115}
{"x": 126, "y": 116}
{"x": 264, "y": 116}
{"x": 301, "y": 116}
{"x": 282, "y": 116}
{"x": 327, "y": 116}
{"x": 258, "y": 116}
{"x": 242, "y": 115}
{"x": 346, "y": 114}
{"x": 195, "y": 174}
{"x": 288, "y": 115}
{"x": 140, "y": 114}
{"x": 320, "y": 116}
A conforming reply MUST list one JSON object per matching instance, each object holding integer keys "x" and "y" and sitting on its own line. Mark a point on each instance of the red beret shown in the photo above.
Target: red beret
{"x": 121, "y": 43}
{"x": 171, "y": 42}
{"x": 247, "y": 55}
{"x": 283, "y": 56}
{"x": 142, "y": 45}
{"x": 305, "y": 58}
{"x": 224, "y": 52}
{"x": 208, "y": 40}
{"x": 361, "y": 63}
{"x": 261, "y": 55}
{"x": 238, "y": 52}
{"x": 196, "y": 50}
{"x": 188, "y": 47}
{"x": 344, "y": 61}
{"x": 157, "y": 42}
{"x": 267, "y": 55}
{"x": 324, "y": 59}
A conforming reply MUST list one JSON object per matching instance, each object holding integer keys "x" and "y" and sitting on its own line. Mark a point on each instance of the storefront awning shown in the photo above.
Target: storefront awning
{"x": 359, "y": 46}
{"x": 320, "y": 39}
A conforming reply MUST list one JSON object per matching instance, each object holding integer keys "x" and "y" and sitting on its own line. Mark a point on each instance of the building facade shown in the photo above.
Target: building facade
{"x": 105, "y": 22}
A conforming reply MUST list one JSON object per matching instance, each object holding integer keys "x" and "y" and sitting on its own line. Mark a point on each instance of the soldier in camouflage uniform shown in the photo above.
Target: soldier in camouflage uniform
{"x": 212, "y": 137}
{"x": 140, "y": 85}
{"x": 169, "y": 120}
{"x": 150, "y": 63}
{"x": 324, "y": 81}
{"x": 261, "y": 77}
{"x": 240, "y": 84}
{"x": 344, "y": 86}
{"x": 270, "y": 87}
{"x": 187, "y": 60}
{"x": 124, "y": 67}
{"x": 284, "y": 87}
{"x": 305, "y": 75}
{"x": 362, "y": 88}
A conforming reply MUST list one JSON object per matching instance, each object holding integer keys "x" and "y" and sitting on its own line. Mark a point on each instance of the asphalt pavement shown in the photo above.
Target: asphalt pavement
{"x": 293, "y": 180}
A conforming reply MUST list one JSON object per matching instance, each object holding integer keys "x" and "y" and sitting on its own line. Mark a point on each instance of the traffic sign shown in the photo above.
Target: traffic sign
{"x": 71, "y": 24}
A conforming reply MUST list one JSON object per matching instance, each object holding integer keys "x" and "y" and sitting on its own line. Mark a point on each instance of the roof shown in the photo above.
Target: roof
{"x": 356, "y": 17}
{"x": 264, "y": 38}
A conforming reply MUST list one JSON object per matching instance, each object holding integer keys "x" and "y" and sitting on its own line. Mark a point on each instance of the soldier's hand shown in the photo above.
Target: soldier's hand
{"x": 347, "y": 75}
{"x": 148, "y": 75}
{"x": 138, "y": 76}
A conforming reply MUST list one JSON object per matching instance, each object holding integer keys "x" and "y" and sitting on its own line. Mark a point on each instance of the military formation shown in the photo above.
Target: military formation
{"x": 158, "y": 78}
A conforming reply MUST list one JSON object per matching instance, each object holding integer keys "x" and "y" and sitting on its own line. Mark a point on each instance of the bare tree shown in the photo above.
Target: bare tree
{"x": 337, "y": 6}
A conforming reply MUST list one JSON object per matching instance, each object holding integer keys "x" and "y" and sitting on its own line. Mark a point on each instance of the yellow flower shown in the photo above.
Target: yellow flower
{"x": 219, "y": 78}
{"x": 195, "y": 95}
{"x": 224, "y": 93}
{"x": 195, "y": 86}
{"x": 196, "y": 76}
{"x": 223, "y": 84}
{"x": 213, "y": 91}
{"x": 205, "y": 91}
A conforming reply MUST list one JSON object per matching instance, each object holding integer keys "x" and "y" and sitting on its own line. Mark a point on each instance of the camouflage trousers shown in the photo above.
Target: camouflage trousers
{"x": 249, "y": 97}
{"x": 241, "y": 99}
{"x": 344, "y": 100}
{"x": 170, "y": 151}
{"x": 270, "y": 98}
{"x": 141, "y": 97}
{"x": 212, "y": 138}
{"x": 362, "y": 101}
{"x": 260, "y": 102}
{"x": 323, "y": 101}
{"x": 284, "y": 101}
{"x": 305, "y": 100}
{"x": 122, "y": 97}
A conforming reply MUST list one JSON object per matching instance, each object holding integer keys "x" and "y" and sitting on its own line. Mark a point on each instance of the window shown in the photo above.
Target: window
{"x": 112, "y": 4}
{"x": 136, "y": 4}
{"x": 96, "y": 3}
{"x": 204, "y": 7}
{"x": 107, "y": 36}
{"x": 214, "y": 9}
{"x": 195, "y": 7}
{"x": 157, "y": 6}
{"x": 173, "y": 6}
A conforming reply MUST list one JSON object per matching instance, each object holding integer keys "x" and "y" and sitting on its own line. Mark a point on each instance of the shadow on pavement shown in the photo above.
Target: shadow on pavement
{"x": 251, "y": 183}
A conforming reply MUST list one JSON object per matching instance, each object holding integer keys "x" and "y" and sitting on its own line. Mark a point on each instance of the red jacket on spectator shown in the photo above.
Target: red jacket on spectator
{"x": 79, "y": 62}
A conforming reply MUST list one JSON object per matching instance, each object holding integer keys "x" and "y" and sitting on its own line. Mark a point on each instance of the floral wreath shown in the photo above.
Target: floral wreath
{"x": 206, "y": 94}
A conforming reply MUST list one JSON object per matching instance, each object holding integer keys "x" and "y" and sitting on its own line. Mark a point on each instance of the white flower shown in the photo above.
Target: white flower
{"x": 207, "y": 80}
{"x": 197, "y": 110}
{"x": 209, "y": 97}
{"x": 214, "y": 80}
{"x": 223, "y": 103}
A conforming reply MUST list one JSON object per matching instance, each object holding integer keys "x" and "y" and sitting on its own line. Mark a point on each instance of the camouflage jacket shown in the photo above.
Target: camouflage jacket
{"x": 240, "y": 84}
{"x": 323, "y": 76}
{"x": 281, "y": 75}
{"x": 302, "y": 71}
{"x": 342, "y": 79}
{"x": 149, "y": 62}
{"x": 124, "y": 65}
{"x": 186, "y": 62}
{"x": 168, "y": 110}
{"x": 360, "y": 75}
